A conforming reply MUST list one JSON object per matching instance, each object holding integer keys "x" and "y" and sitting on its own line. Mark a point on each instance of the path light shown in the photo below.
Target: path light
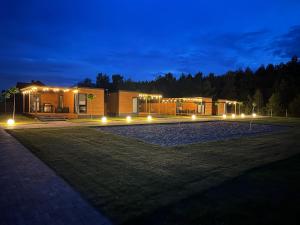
{"x": 224, "y": 116}
{"x": 193, "y": 117}
{"x": 232, "y": 115}
{"x": 10, "y": 122}
{"x": 243, "y": 115}
{"x": 128, "y": 119}
{"x": 253, "y": 114}
{"x": 149, "y": 118}
{"x": 103, "y": 119}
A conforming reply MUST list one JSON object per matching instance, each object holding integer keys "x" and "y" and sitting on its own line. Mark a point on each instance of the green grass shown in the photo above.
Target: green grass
{"x": 130, "y": 181}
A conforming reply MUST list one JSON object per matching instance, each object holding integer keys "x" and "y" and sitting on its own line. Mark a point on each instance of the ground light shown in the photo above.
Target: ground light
{"x": 232, "y": 115}
{"x": 149, "y": 118}
{"x": 253, "y": 114}
{"x": 193, "y": 117}
{"x": 243, "y": 115}
{"x": 128, "y": 119}
{"x": 224, "y": 116}
{"x": 104, "y": 119}
{"x": 10, "y": 122}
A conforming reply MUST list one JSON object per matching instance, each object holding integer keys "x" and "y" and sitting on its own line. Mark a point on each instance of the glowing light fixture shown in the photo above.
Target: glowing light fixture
{"x": 232, "y": 115}
{"x": 75, "y": 91}
{"x": 10, "y": 122}
{"x": 149, "y": 118}
{"x": 193, "y": 117}
{"x": 103, "y": 119}
{"x": 128, "y": 119}
{"x": 253, "y": 114}
{"x": 224, "y": 116}
{"x": 243, "y": 115}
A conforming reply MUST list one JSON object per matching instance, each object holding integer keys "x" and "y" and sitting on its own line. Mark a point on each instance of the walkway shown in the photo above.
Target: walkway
{"x": 96, "y": 123}
{"x": 32, "y": 194}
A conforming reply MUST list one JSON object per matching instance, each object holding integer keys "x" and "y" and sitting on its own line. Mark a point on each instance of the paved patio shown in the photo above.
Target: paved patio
{"x": 32, "y": 194}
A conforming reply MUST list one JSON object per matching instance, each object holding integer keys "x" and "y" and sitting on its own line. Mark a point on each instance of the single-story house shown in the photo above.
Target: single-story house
{"x": 68, "y": 102}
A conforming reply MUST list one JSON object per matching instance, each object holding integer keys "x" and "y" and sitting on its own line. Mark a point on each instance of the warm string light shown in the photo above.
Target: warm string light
{"x": 233, "y": 116}
{"x": 253, "y": 114}
{"x": 44, "y": 89}
{"x": 149, "y": 118}
{"x": 224, "y": 116}
{"x": 243, "y": 115}
{"x": 193, "y": 117}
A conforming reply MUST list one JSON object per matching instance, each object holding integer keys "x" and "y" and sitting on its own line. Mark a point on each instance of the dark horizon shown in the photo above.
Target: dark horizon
{"x": 61, "y": 44}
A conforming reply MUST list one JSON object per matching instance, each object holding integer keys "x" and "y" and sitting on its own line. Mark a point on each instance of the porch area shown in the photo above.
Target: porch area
{"x": 49, "y": 103}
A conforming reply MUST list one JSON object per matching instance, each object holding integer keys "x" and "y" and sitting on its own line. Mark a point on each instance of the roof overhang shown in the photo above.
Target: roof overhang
{"x": 33, "y": 89}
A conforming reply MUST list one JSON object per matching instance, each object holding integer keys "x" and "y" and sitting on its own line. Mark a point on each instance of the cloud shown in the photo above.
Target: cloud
{"x": 288, "y": 44}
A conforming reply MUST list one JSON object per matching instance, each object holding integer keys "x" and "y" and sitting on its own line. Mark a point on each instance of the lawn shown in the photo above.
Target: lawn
{"x": 20, "y": 119}
{"x": 134, "y": 182}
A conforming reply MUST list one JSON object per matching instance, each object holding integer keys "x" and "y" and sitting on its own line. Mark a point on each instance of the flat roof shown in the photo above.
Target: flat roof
{"x": 33, "y": 88}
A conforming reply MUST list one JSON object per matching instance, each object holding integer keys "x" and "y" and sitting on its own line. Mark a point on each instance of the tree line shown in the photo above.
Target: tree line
{"x": 272, "y": 89}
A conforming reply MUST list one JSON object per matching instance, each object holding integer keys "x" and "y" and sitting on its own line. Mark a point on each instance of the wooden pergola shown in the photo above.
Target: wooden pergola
{"x": 148, "y": 98}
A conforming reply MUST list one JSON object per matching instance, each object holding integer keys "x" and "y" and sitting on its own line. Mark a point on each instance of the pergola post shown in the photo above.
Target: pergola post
{"x": 23, "y": 94}
{"x": 235, "y": 108}
{"x": 146, "y": 108}
{"x": 158, "y": 105}
{"x": 29, "y": 106}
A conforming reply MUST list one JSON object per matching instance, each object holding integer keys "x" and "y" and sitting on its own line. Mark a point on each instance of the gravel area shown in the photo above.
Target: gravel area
{"x": 188, "y": 133}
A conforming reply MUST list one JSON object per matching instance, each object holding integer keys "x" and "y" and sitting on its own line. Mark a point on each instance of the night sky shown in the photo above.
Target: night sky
{"x": 62, "y": 42}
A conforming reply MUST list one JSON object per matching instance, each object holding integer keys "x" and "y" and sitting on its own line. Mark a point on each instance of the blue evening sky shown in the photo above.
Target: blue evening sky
{"x": 62, "y": 42}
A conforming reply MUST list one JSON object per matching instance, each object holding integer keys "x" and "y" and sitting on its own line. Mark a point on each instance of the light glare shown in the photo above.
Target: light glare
{"x": 149, "y": 118}
{"x": 10, "y": 122}
{"x": 254, "y": 114}
{"x": 128, "y": 118}
{"x": 104, "y": 119}
{"x": 243, "y": 115}
{"x": 193, "y": 117}
{"x": 233, "y": 116}
{"x": 224, "y": 116}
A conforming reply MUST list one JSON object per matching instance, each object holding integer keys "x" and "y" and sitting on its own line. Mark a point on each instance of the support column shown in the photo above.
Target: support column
{"x": 158, "y": 106}
{"x": 29, "y": 106}
{"x": 234, "y": 108}
{"x": 146, "y": 108}
{"x": 23, "y": 102}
